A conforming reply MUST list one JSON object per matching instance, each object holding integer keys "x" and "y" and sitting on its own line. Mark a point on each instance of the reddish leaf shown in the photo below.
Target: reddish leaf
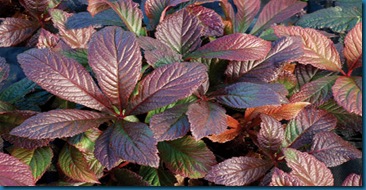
{"x": 15, "y": 30}
{"x": 14, "y": 172}
{"x": 23, "y": 142}
{"x": 232, "y": 131}
{"x": 75, "y": 38}
{"x": 211, "y": 21}
{"x": 332, "y": 149}
{"x": 187, "y": 157}
{"x": 271, "y": 133}
{"x": 280, "y": 178}
{"x": 156, "y": 53}
{"x": 277, "y": 11}
{"x": 47, "y": 39}
{"x": 238, "y": 171}
{"x": 63, "y": 77}
{"x": 247, "y": 9}
{"x": 319, "y": 51}
{"x": 125, "y": 177}
{"x": 181, "y": 31}
{"x": 115, "y": 58}
{"x": 135, "y": 142}
{"x": 238, "y": 47}
{"x": 166, "y": 85}
{"x": 352, "y": 180}
{"x": 348, "y": 93}
{"x": 104, "y": 152}
{"x": 309, "y": 170}
{"x": 96, "y": 6}
{"x": 307, "y": 73}
{"x": 353, "y": 47}
{"x": 170, "y": 124}
{"x": 37, "y": 6}
{"x": 308, "y": 122}
{"x": 59, "y": 123}
{"x": 11, "y": 119}
{"x": 206, "y": 118}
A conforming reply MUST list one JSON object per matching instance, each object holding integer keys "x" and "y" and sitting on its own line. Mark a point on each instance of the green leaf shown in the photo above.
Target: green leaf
{"x": 187, "y": 157}
{"x": 9, "y": 120}
{"x": 157, "y": 176}
{"x": 339, "y": 19}
{"x": 85, "y": 141}
{"x": 80, "y": 55}
{"x": 38, "y": 159}
{"x": 73, "y": 164}
{"x": 17, "y": 91}
{"x": 5, "y": 107}
{"x": 33, "y": 101}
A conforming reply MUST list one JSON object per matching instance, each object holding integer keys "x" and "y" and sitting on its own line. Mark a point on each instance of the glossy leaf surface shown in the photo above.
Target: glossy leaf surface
{"x": 271, "y": 133}
{"x": 348, "y": 93}
{"x": 233, "y": 129}
{"x": 280, "y": 178}
{"x": 17, "y": 91}
{"x": 14, "y": 172}
{"x": 157, "y": 176}
{"x": 23, "y": 142}
{"x": 353, "y": 47}
{"x": 211, "y": 21}
{"x": 15, "y": 30}
{"x": 247, "y": 10}
{"x": 352, "y": 180}
{"x": 47, "y": 40}
{"x": 85, "y": 141}
{"x": 104, "y": 152}
{"x": 85, "y": 19}
{"x": 96, "y": 6}
{"x": 37, "y": 6}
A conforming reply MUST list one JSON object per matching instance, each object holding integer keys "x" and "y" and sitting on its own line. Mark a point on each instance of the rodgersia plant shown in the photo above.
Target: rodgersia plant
{"x": 144, "y": 94}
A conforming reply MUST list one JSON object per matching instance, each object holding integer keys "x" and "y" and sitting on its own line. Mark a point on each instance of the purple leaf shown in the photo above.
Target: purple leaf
{"x": 187, "y": 157}
{"x": 170, "y": 124}
{"x": 247, "y": 95}
{"x": 15, "y": 30}
{"x": 166, "y": 85}
{"x": 211, "y": 21}
{"x": 115, "y": 58}
{"x": 332, "y": 149}
{"x": 271, "y": 133}
{"x": 104, "y": 152}
{"x": 307, "y": 73}
{"x": 280, "y": 178}
{"x": 308, "y": 122}
{"x": 206, "y": 118}
{"x": 47, "y": 40}
{"x": 348, "y": 93}
{"x": 181, "y": 31}
{"x": 63, "y": 77}
{"x": 352, "y": 180}
{"x": 247, "y": 9}
{"x": 14, "y": 172}
{"x": 353, "y": 47}
{"x": 238, "y": 171}
{"x": 267, "y": 69}
{"x": 277, "y": 11}
{"x": 59, "y": 123}
{"x": 156, "y": 53}
{"x": 238, "y": 47}
{"x": 309, "y": 170}
{"x": 37, "y": 6}
{"x": 135, "y": 142}
{"x": 25, "y": 142}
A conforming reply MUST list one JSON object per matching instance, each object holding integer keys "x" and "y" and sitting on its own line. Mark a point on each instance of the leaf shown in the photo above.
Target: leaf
{"x": 85, "y": 141}
{"x": 166, "y": 85}
{"x": 37, "y": 6}
{"x": 157, "y": 53}
{"x": 277, "y": 11}
{"x": 319, "y": 51}
{"x": 238, "y": 47}
{"x": 11, "y": 119}
{"x": 38, "y": 159}
{"x": 63, "y": 77}
{"x": 280, "y": 178}
{"x": 74, "y": 165}
{"x": 15, "y": 30}
{"x": 211, "y": 21}
{"x": 26, "y": 143}
{"x": 134, "y": 142}
{"x": 130, "y": 14}
{"x": 348, "y": 3}
{"x": 187, "y": 157}
{"x": 238, "y": 171}
{"x": 180, "y": 31}
{"x": 6, "y": 107}
{"x": 47, "y": 40}
{"x": 352, "y": 180}
{"x": 59, "y": 123}
{"x": 14, "y": 172}
{"x": 85, "y": 19}
{"x": 308, "y": 122}
{"x": 4, "y": 70}
{"x": 125, "y": 177}
{"x": 348, "y": 93}
{"x": 278, "y": 112}
{"x": 271, "y": 133}
{"x": 267, "y": 69}
{"x": 75, "y": 38}
{"x": 170, "y": 124}
{"x": 332, "y": 149}
{"x": 316, "y": 92}
{"x": 157, "y": 176}
{"x": 246, "y": 11}
{"x": 206, "y": 118}
{"x": 115, "y": 58}
{"x": 96, "y": 6}
{"x": 95, "y": 166}
{"x": 232, "y": 131}
{"x": 309, "y": 170}
{"x": 353, "y": 47}
{"x": 17, "y": 91}
{"x": 103, "y": 150}
{"x": 307, "y": 73}
{"x": 246, "y": 95}
{"x": 33, "y": 100}
{"x": 338, "y": 19}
